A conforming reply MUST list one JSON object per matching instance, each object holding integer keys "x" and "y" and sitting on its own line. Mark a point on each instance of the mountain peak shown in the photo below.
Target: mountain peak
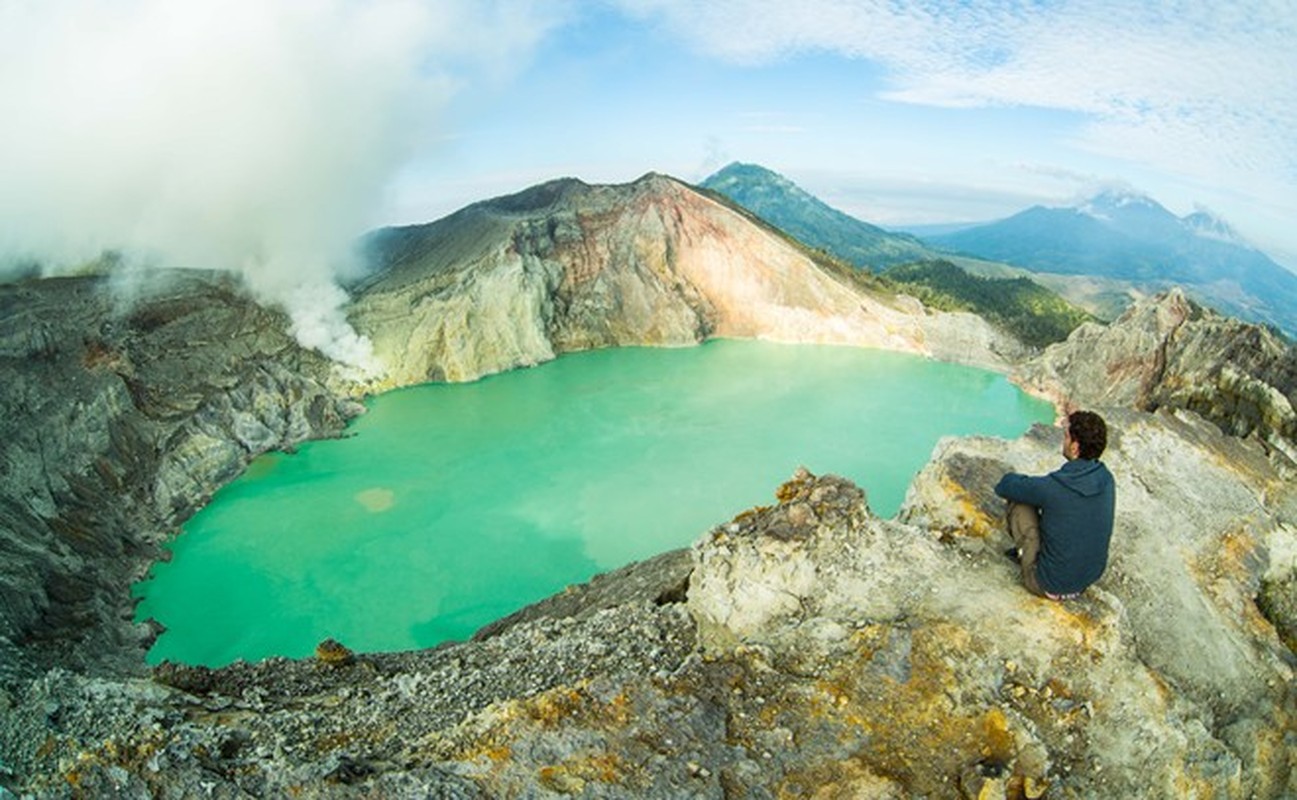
{"x": 1140, "y": 215}
{"x": 1114, "y": 201}
{"x": 1205, "y": 223}
{"x": 787, "y": 206}
{"x": 1122, "y": 234}
{"x": 737, "y": 172}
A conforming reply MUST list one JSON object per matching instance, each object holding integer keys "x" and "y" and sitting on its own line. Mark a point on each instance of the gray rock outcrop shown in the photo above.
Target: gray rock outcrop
{"x": 124, "y": 414}
{"x": 1169, "y": 352}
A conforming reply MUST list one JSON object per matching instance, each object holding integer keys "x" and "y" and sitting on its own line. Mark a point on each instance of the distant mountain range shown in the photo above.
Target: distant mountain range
{"x": 783, "y": 204}
{"x": 1120, "y": 237}
{"x": 1035, "y": 315}
{"x": 1131, "y": 237}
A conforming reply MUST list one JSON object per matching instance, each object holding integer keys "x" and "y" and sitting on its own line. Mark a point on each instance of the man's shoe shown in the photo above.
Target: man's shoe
{"x": 1012, "y": 555}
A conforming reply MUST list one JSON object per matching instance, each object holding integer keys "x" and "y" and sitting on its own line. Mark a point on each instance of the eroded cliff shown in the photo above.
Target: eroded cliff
{"x": 567, "y": 266}
{"x": 1168, "y": 351}
{"x": 124, "y": 413}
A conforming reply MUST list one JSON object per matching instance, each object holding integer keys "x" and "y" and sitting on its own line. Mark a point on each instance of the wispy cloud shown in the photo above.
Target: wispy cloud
{"x": 1204, "y": 90}
{"x": 262, "y": 135}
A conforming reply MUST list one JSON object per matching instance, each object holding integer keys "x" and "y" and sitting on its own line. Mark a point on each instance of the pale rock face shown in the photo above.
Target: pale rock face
{"x": 653, "y": 263}
{"x": 758, "y": 286}
{"x": 962, "y": 337}
{"x": 1168, "y": 352}
{"x": 492, "y": 320}
{"x": 1201, "y": 519}
{"x": 197, "y": 463}
{"x": 816, "y": 559}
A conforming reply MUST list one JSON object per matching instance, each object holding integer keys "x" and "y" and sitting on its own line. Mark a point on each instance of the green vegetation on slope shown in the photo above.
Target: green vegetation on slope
{"x": 783, "y": 204}
{"x": 1026, "y": 309}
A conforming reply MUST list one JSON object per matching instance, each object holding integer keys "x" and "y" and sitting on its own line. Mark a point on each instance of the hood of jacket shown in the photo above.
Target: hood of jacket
{"x": 1084, "y": 476}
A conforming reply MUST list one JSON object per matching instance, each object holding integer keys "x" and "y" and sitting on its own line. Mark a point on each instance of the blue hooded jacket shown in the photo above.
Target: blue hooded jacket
{"x": 1077, "y": 504}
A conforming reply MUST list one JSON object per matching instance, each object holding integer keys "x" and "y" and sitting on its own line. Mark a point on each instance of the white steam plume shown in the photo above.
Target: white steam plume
{"x": 246, "y": 135}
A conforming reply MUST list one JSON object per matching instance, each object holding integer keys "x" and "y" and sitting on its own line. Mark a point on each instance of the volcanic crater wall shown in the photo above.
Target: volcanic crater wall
{"x": 567, "y": 266}
{"x": 124, "y": 414}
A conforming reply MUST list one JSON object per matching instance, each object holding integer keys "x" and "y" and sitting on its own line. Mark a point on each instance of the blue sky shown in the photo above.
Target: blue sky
{"x": 897, "y": 113}
{"x": 264, "y": 135}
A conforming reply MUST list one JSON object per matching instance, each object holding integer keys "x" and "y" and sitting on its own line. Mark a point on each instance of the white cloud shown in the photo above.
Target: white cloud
{"x": 1206, "y": 91}
{"x": 254, "y": 135}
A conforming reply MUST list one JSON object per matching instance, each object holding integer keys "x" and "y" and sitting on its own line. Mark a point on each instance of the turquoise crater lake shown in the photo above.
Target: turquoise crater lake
{"x": 451, "y": 505}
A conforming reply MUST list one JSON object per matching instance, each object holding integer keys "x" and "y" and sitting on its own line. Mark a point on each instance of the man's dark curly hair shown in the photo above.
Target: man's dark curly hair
{"x": 1088, "y": 431}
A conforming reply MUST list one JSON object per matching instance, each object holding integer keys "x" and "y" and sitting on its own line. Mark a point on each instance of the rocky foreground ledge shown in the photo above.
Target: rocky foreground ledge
{"x": 804, "y": 649}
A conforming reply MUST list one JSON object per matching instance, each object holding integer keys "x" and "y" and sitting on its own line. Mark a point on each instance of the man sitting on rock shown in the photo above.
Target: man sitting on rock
{"x": 1061, "y": 523}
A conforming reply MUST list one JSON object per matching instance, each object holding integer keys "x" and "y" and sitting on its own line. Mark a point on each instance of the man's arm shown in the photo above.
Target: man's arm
{"x": 1022, "y": 489}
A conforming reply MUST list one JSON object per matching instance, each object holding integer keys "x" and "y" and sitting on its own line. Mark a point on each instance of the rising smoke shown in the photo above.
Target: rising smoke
{"x": 249, "y": 135}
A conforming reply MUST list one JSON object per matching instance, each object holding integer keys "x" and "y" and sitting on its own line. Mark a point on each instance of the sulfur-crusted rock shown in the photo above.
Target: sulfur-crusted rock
{"x": 334, "y": 653}
{"x": 820, "y": 651}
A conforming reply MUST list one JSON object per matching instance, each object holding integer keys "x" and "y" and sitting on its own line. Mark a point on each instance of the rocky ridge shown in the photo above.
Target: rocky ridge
{"x": 1171, "y": 352}
{"x": 567, "y": 266}
{"x": 819, "y": 651}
